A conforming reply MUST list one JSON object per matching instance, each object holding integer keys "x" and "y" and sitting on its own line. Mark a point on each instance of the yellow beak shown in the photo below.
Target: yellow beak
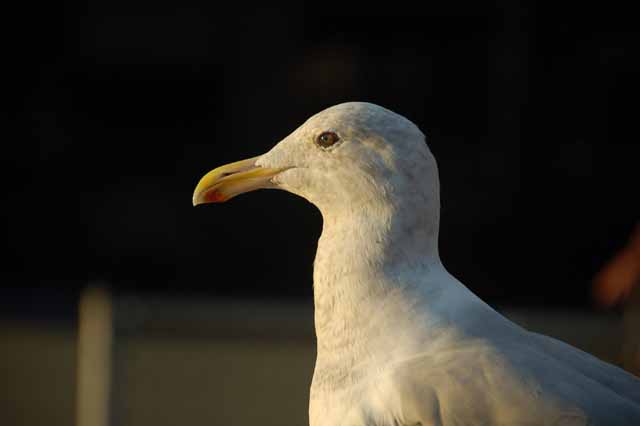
{"x": 225, "y": 182}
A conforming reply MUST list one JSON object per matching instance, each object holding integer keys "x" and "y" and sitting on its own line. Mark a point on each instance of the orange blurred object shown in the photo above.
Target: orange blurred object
{"x": 615, "y": 282}
{"x": 619, "y": 282}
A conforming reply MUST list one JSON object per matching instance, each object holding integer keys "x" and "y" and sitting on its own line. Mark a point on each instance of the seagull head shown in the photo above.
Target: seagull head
{"x": 353, "y": 156}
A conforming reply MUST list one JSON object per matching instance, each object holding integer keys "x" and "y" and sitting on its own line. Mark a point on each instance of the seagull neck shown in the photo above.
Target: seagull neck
{"x": 362, "y": 266}
{"x": 377, "y": 238}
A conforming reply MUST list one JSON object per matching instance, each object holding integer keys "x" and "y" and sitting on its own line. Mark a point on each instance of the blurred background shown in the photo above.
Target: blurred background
{"x": 530, "y": 110}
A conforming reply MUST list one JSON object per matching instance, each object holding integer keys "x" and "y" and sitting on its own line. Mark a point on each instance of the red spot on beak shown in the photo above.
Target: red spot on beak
{"x": 213, "y": 196}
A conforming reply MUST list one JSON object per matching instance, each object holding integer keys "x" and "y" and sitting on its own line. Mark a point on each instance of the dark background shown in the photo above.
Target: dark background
{"x": 531, "y": 113}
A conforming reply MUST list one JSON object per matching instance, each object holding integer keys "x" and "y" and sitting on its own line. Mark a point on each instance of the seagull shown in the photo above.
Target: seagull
{"x": 400, "y": 341}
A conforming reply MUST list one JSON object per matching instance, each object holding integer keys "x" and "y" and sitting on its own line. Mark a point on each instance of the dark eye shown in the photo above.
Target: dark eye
{"x": 327, "y": 139}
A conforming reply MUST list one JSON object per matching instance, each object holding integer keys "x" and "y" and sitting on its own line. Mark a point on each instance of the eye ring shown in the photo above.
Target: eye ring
{"x": 327, "y": 139}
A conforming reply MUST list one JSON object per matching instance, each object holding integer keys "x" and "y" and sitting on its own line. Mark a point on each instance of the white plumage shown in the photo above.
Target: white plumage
{"x": 400, "y": 340}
